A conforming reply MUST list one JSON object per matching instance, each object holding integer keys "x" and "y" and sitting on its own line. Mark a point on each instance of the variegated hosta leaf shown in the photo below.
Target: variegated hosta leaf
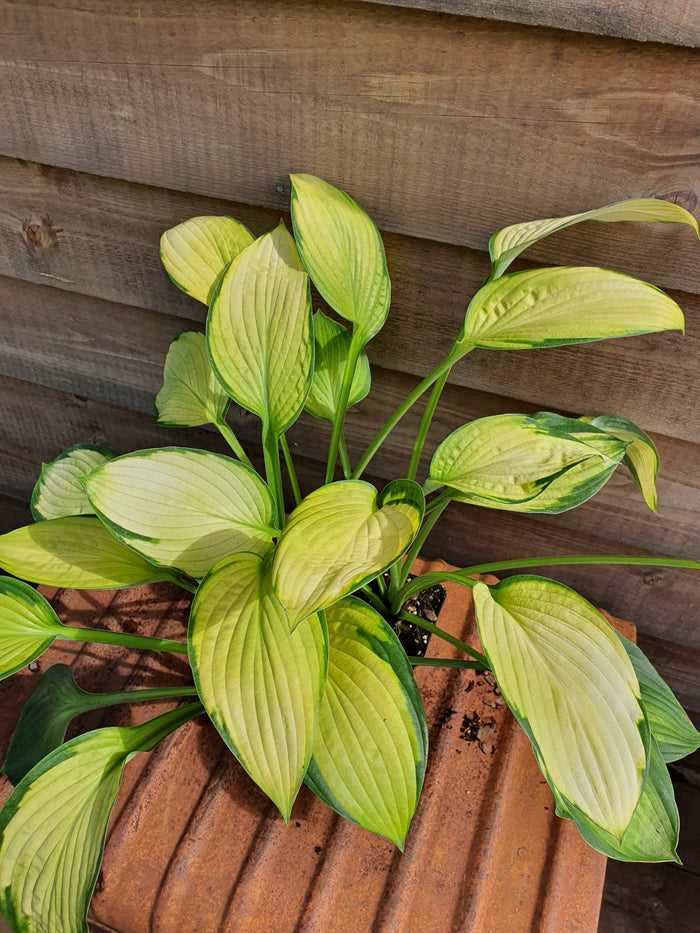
{"x": 641, "y": 457}
{"x": 183, "y": 508}
{"x": 260, "y": 683}
{"x": 526, "y": 463}
{"x": 196, "y": 252}
{"x": 332, "y": 351}
{"x": 674, "y": 732}
{"x": 343, "y": 253}
{"x": 259, "y": 331}
{"x": 567, "y": 491}
{"x": 79, "y": 553}
{"x": 372, "y": 741}
{"x": 571, "y": 686}
{"x": 340, "y": 537}
{"x": 28, "y": 625}
{"x": 52, "y": 828}
{"x": 191, "y": 394}
{"x": 509, "y": 242}
{"x": 652, "y": 835}
{"x": 553, "y": 307}
{"x": 58, "y": 491}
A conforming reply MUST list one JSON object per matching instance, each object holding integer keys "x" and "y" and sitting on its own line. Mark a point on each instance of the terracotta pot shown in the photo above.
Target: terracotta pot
{"x": 194, "y": 847}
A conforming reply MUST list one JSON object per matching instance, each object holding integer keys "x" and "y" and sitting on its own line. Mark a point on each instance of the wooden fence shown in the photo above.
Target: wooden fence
{"x": 121, "y": 119}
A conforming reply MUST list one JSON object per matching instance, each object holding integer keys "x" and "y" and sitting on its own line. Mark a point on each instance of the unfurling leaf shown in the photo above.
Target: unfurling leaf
{"x": 52, "y": 828}
{"x": 58, "y": 492}
{"x": 196, "y": 252}
{"x": 191, "y": 394}
{"x": 372, "y": 741}
{"x": 259, "y": 331}
{"x": 341, "y": 537}
{"x": 79, "y": 553}
{"x": 509, "y": 242}
{"x": 260, "y": 683}
{"x": 641, "y": 456}
{"x": 558, "y": 306}
{"x": 566, "y": 677}
{"x": 525, "y": 463}
{"x": 183, "y": 508}
{"x": 332, "y": 351}
{"x": 343, "y": 253}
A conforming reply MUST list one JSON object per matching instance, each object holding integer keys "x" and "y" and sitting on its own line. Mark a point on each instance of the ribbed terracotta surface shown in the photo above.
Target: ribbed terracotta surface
{"x": 194, "y": 847}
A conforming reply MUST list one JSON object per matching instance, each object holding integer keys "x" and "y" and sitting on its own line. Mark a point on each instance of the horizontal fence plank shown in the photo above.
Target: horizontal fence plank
{"x": 13, "y": 514}
{"x": 399, "y": 107}
{"x": 679, "y": 666}
{"x": 99, "y": 236}
{"x": 38, "y": 423}
{"x": 107, "y": 246}
{"x": 674, "y": 21}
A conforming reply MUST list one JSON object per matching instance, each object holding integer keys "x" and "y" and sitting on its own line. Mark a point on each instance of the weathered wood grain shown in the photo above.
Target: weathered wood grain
{"x": 680, "y": 665}
{"x": 114, "y": 354}
{"x": 13, "y": 514}
{"x": 442, "y": 127}
{"x": 36, "y": 423}
{"x": 99, "y": 236}
{"x": 648, "y": 898}
{"x": 674, "y": 21}
{"x": 648, "y": 379}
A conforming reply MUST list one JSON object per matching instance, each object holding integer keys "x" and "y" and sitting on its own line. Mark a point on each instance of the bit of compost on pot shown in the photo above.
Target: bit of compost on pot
{"x": 496, "y": 701}
{"x": 479, "y": 729}
{"x": 445, "y": 717}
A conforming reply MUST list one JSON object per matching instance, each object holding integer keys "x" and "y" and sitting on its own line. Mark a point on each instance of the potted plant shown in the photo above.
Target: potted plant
{"x": 291, "y": 635}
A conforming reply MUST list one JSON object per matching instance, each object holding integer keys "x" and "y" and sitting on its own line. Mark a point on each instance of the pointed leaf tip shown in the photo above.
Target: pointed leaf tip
{"x": 508, "y": 243}
{"x": 371, "y": 746}
{"x": 559, "y": 306}
{"x": 641, "y": 457}
{"x": 571, "y": 686}
{"x": 260, "y": 683}
{"x": 259, "y": 331}
{"x": 343, "y": 253}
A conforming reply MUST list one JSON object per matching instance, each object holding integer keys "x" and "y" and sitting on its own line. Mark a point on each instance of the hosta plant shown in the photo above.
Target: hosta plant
{"x": 291, "y": 636}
